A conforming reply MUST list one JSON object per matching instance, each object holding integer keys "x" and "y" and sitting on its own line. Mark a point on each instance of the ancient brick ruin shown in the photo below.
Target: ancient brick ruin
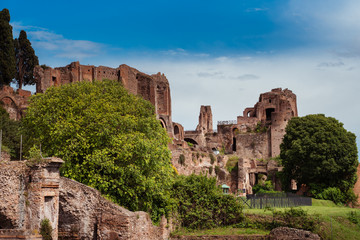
{"x": 31, "y": 193}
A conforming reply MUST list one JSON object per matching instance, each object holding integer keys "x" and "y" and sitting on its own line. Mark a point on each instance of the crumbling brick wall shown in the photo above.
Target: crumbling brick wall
{"x": 85, "y": 214}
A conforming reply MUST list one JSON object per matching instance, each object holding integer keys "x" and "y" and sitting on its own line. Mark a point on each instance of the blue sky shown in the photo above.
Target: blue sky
{"x": 218, "y": 53}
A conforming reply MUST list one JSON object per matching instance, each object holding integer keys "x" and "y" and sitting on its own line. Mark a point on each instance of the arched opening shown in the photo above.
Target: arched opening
{"x": 268, "y": 113}
{"x": 234, "y": 144}
{"x": 162, "y": 122}
{"x": 176, "y": 132}
{"x": 191, "y": 141}
{"x": 249, "y": 113}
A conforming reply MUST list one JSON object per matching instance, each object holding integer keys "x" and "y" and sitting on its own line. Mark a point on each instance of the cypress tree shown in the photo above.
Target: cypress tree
{"x": 26, "y": 60}
{"x": 7, "y": 51}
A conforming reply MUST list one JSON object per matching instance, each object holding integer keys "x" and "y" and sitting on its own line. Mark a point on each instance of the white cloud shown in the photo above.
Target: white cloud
{"x": 56, "y": 45}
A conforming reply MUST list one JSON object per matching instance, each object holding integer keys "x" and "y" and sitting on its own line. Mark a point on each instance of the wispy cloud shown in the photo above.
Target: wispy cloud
{"x": 245, "y": 77}
{"x": 256, "y": 9}
{"x": 57, "y": 45}
{"x": 330, "y": 64}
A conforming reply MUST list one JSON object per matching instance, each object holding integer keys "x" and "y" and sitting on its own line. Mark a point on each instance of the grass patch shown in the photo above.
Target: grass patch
{"x": 224, "y": 231}
{"x": 335, "y": 220}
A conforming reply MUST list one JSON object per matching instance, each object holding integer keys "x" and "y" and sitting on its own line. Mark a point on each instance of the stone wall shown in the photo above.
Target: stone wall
{"x": 357, "y": 184}
{"x": 85, "y": 214}
{"x": 29, "y": 194}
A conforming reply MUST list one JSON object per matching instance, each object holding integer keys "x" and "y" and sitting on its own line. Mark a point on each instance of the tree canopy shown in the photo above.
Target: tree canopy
{"x": 7, "y": 52}
{"x": 26, "y": 60}
{"x": 109, "y": 139}
{"x": 319, "y": 152}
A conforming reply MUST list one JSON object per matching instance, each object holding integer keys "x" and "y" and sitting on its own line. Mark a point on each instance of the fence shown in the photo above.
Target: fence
{"x": 279, "y": 200}
{"x": 228, "y": 122}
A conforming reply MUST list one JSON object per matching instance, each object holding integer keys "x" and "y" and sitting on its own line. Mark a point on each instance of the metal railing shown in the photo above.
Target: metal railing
{"x": 279, "y": 200}
{"x": 228, "y": 122}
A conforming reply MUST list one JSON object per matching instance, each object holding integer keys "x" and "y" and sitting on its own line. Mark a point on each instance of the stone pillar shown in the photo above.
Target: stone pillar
{"x": 43, "y": 195}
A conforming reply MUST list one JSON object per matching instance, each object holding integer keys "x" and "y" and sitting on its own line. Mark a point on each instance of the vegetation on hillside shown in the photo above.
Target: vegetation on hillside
{"x": 317, "y": 151}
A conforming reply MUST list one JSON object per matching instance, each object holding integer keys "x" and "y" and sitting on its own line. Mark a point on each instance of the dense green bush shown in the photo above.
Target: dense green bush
{"x": 333, "y": 194}
{"x": 201, "y": 204}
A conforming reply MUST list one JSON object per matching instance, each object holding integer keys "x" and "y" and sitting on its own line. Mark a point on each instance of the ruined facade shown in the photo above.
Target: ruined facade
{"x": 154, "y": 88}
{"x": 255, "y": 137}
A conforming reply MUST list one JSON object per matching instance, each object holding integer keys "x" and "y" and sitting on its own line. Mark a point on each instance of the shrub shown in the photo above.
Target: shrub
{"x": 210, "y": 170}
{"x": 201, "y": 204}
{"x": 232, "y": 163}
{"x": 46, "y": 229}
{"x": 217, "y": 170}
{"x": 293, "y": 218}
{"x": 354, "y": 217}
{"x": 181, "y": 159}
{"x": 212, "y": 158}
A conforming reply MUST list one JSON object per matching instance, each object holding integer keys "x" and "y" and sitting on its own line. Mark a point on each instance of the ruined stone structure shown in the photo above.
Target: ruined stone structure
{"x": 28, "y": 195}
{"x": 14, "y": 102}
{"x": 154, "y": 88}
{"x": 254, "y": 137}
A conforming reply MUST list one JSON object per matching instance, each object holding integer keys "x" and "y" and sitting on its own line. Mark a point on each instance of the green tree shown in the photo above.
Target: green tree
{"x": 26, "y": 60}
{"x": 109, "y": 139}
{"x": 319, "y": 152}
{"x": 201, "y": 204}
{"x": 10, "y": 134}
{"x": 7, "y": 52}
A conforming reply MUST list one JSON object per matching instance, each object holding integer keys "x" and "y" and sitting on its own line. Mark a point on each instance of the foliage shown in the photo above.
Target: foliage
{"x": 181, "y": 159}
{"x": 354, "y": 217}
{"x": 201, "y": 204}
{"x": 26, "y": 60}
{"x": 46, "y": 229}
{"x": 210, "y": 170}
{"x": 318, "y": 151}
{"x": 212, "y": 158}
{"x": 7, "y": 52}
{"x": 333, "y": 194}
{"x": 109, "y": 140}
{"x": 190, "y": 144}
{"x": 232, "y": 163}
{"x": 217, "y": 170}
{"x": 260, "y": 128}
{"x": 34, "y": 157}
{"x": 294, "y": 218}
{"x": 10, "y": 133}
{"x": 263, "y": 187}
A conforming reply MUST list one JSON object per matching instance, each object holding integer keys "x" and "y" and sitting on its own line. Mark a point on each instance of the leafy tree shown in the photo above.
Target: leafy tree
{"x": 319, "y": 152}
{"x": 10, "y": 133}
{"x": 201, "y": 204}
{"x": 26, "y": 60}
{"x": 7, "y": 52}
{"x": 109, "y": 139}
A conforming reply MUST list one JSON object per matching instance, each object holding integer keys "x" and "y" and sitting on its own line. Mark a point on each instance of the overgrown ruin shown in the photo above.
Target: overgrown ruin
{"x": 254, "y": 137}
{"x": 238, "y": 152}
